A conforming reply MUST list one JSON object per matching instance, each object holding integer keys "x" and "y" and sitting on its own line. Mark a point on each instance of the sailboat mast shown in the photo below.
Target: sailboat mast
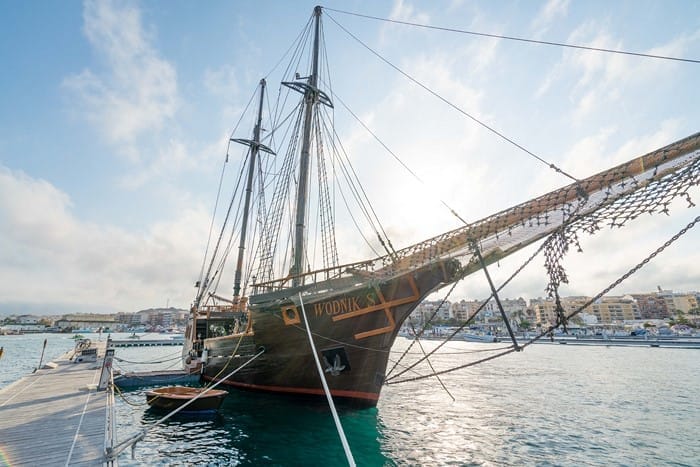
{"x": 254, "y": 148}
{"x": 310, "y": 98}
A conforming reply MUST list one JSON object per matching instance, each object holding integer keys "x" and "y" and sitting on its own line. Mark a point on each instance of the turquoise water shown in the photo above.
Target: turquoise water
{"x": 549, "y": 405}
{"x": 22, "y": 354}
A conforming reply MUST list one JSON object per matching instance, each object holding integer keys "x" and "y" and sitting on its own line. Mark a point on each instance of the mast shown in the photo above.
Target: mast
{"x": 255, "y": 146}
{"x": 310, "y": 99}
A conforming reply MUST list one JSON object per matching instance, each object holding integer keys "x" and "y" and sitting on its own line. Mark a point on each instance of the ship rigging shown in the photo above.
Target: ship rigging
{"x": 355, "y": 309}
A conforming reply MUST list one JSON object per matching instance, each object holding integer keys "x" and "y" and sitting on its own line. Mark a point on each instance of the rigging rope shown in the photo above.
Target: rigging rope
{"x": 393, "y": 154}
{"x": 358, "y": 192}
{"x": 476, "y": 312}
{"x": 202, "y": 279}
{"x": 617, "y": 282}
{"x": 420, "y": 333}
{"x": 519, "y": 39}
{"x": 131, "y": 441}
{"x": 454, "y": 106}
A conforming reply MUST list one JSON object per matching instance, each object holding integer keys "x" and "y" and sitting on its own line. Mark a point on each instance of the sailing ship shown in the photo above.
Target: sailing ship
{"x": 257, "y": 338}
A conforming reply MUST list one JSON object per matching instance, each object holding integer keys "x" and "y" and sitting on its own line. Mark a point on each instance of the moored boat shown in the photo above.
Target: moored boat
{"x": 173, "y": 397}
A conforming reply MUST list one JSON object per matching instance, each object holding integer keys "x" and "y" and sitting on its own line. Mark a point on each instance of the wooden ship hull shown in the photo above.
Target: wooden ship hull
{"x": 353, "y": 333}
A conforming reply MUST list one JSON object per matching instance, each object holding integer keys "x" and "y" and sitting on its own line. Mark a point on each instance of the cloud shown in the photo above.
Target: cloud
{"x": 137, "y": 90}
{"x": 402, "y": 11}
{"x": 553, "y": 9}
{"x": 222, "y": 81}
{"x": 53, "y": 256}
{"x": 594, "y": 79}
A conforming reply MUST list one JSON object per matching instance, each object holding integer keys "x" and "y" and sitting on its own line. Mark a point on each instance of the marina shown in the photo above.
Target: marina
{"x": 496, "y": 403}
{"x": 346, "y": 310}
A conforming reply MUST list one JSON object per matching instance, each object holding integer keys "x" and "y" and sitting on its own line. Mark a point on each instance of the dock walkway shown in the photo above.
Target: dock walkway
{"x": 55, "y": 416}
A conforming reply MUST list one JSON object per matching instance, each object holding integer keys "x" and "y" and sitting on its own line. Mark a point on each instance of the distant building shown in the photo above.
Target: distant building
{"x": 28, "y": 319}
{"x": 651, "y": 306}
{"x": 427, "y": 308}
{"x": 460, "y": 310}
{"x": 86, "y": 321}
{"x": 675, "y": 301}
{"x": 545, "y": 309}
{"x": 616, "y": 309}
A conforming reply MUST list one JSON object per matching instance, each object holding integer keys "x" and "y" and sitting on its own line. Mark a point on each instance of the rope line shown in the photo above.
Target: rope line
{"x": 519, "y": 39}
{"x": 326, "y": 390}
{"x": 140, "y": 435}
{"x": 621, "y": 279}
{"x": 458, "y": 109}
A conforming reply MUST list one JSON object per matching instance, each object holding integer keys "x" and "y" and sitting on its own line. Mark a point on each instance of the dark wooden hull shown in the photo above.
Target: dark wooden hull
{"x": 353, "y": 332}
{"x": 173, "y": 397}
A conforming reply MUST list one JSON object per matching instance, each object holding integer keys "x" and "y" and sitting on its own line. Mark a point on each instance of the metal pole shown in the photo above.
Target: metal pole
{"x": 42, "y": 355}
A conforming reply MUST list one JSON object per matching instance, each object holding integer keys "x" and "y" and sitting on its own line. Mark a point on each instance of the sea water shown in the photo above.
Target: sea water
{"x": 547, "y": 405}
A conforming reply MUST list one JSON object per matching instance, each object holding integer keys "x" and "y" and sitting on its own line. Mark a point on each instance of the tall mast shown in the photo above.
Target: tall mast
{"x": 255, "y": 146}
{"x": 310, "y": 99}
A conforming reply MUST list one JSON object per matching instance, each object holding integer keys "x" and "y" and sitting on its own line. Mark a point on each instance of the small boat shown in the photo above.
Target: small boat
{"x": 173, "y": 397}
{"x": 478, "y": 337}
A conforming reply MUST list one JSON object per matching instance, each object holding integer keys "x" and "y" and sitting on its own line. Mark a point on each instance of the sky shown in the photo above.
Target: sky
{"x": 115, "y": 119}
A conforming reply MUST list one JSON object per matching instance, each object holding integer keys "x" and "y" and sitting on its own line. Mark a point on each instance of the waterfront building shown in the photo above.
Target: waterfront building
{"x": 544, "y": 310}
{"x": 489, "y": 310}
{"x": 460, "y": 310}
{"x": 426, "y": 309}
{"x": 86, "y": 321}
{"x": 616, "y": 309}
{"x": 651, "y": 306}
{"x": 675, "y": 301}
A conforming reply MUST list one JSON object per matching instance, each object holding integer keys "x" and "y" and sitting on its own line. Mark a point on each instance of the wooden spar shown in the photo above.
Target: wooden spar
{"x": 461, "y": 237}
{"x": 248, "y": 192}
{"x": 310, "y": 97}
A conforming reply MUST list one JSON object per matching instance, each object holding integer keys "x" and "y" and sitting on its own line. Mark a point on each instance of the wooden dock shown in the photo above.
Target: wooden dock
{"x": 56, "y": 416}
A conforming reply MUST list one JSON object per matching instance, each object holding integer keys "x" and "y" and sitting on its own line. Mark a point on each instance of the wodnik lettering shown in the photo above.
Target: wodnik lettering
{"x": 344, "y": 305}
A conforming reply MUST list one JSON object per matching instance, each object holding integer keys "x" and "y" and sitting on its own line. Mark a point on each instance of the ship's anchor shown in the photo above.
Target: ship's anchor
{"x": 337, "y": 366}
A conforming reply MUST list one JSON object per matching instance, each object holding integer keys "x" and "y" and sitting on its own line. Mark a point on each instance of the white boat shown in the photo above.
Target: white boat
{"x": 478, "y": 337}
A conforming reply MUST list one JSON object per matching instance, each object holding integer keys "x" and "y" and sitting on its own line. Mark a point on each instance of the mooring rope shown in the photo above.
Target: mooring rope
{"x": 114, "y": 453}
{"x": 336, "y": 419}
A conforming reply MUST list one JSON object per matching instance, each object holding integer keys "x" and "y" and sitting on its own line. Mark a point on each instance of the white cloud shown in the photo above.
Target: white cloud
{"x": 222, "y": 81}
{"x": 51, "y": 255}
{"x": 595, "y": 80}
{"x": 553, "y": 9}
{"x": 403, "y": 11}
{"x": 137, "y": 91}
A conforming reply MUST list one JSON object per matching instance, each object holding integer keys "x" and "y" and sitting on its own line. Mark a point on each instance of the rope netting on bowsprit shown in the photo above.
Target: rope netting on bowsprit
{"x": 614, "y": 206}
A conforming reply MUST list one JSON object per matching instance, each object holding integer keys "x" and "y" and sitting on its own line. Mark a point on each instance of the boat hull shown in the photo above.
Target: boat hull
{"x": 174, "y": 397}
{"x": 353, "y": 332}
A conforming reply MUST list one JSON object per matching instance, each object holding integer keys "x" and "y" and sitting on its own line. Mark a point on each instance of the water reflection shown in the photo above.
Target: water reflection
{"x": 549, "y": 405}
